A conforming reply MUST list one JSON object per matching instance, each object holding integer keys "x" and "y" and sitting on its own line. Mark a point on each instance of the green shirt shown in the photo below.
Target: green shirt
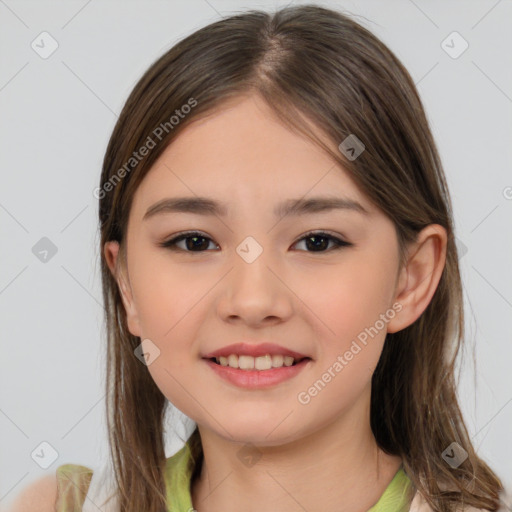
{"x": 73, "y": 481}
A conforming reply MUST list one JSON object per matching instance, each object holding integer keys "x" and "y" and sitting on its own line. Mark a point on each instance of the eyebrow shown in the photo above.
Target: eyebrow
{"x": 207, "y": 206}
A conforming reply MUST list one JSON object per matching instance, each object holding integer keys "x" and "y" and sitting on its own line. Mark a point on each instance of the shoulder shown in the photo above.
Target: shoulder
{"x": 62, "y": 491}
{"x": 73, "y": 482}
{"x": 39, "y": 495}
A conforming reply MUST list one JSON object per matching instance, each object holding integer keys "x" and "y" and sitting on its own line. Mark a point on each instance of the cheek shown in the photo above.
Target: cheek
{"x": 170, "y": 304}
{"x": 349, "y": 297}
{"x": 350, "y": 338}
{"x": 167, "y": 296}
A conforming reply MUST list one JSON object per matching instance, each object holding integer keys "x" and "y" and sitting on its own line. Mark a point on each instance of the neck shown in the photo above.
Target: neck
{"x": 339, "y": 464}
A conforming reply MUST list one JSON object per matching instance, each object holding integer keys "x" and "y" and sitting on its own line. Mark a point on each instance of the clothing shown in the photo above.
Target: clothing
{"x": 394, "y": 499}
{"x": 73, "y": 483}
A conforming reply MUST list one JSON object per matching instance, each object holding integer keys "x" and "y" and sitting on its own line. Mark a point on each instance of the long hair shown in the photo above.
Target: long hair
{"x": 310, "y": 64}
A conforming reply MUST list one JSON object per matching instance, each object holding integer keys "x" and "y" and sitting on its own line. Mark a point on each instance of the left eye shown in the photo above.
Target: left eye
{"x": 196, "y": 241}
{"x": 316, "y": 240}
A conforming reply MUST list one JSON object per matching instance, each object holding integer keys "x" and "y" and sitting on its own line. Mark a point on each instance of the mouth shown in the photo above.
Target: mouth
{"x": 261, "y": 363}
{"x": 257, "y": 373}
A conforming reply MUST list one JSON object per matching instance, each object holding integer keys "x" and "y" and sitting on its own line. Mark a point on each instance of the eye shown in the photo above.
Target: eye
{"x": 317, "y": 241}
{"x": 196, "y": 241}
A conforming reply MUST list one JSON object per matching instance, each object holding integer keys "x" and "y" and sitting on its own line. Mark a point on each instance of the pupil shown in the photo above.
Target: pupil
{"x": 193, "y": 245}
{"x": 315, "y": 245}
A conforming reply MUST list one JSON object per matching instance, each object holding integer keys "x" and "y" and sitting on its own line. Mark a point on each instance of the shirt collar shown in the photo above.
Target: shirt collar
{"x": 396, "y": 497}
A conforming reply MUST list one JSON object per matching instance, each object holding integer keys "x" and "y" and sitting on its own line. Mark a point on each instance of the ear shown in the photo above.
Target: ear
{"x": 420, "y": 276}
{"x": 117, "y": 269}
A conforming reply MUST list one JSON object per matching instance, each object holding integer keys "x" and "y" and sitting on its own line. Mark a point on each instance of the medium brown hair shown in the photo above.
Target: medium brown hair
{"x": 308, "y": 63}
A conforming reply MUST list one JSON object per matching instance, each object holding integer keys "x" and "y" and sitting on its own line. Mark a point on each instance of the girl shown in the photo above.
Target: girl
{"x": 278, "y": 262}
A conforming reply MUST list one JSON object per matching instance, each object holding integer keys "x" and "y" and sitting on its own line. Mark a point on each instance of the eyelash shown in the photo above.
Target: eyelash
{"x": 171, "y": 243}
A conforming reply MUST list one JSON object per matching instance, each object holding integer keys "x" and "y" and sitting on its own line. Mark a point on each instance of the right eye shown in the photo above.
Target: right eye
{"x": 196, "y": 238}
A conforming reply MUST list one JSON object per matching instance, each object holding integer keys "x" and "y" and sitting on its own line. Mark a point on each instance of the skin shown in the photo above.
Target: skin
{"x": 311, "y": 456}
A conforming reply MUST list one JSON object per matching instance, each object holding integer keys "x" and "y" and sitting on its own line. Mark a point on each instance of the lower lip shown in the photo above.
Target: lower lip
{"x": 257, "y": 379}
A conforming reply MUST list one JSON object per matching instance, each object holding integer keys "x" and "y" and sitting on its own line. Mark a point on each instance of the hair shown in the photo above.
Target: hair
{"x": 314, "y": 65}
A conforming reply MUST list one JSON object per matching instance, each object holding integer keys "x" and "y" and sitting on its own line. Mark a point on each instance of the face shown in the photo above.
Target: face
{"x": 248, "y": 276}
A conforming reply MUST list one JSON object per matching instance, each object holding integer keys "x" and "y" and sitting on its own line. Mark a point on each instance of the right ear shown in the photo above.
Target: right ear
{"x": 117, "y": 269}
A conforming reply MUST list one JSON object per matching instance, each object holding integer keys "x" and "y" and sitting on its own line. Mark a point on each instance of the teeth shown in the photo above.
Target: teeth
{"x": 265, "y": 362}
{"x": 288, "y": 361}
{"x": 245, "y": 362}
{"x": 277, "y": 361}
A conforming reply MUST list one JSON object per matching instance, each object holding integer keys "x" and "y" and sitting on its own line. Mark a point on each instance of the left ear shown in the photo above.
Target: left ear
{"x": 420, "y": 276}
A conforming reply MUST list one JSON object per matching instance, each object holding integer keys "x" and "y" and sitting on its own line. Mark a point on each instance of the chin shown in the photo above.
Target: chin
{"x": 258, "y": 431}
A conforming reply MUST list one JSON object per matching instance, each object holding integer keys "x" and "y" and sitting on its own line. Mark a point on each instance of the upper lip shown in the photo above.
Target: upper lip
{"x": 261, "y": 349}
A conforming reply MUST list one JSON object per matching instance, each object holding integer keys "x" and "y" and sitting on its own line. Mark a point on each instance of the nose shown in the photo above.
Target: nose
{"x": 255, "y": 293}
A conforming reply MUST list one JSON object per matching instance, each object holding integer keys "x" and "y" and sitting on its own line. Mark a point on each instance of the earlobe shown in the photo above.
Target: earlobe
{"x": 116, "y": 268}
{"x": 420, "y": 276}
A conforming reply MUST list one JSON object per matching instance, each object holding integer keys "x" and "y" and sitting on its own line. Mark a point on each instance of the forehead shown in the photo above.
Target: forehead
{"x": 243, "y": 153}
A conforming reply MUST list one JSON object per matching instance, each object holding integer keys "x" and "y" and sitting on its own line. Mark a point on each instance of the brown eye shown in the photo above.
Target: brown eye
{"x": 194, "y": 242}
{"x": 317, "y": 241}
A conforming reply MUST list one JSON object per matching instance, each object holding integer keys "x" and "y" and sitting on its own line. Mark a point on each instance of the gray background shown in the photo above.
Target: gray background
{"x": 56, "y": 117}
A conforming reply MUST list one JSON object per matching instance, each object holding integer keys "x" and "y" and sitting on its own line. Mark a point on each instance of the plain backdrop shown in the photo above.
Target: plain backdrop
{"x": 57, "y": 114}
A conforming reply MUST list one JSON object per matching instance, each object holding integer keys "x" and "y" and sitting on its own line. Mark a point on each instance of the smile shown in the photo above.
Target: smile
{"x": 262, "y": 363}
{"x": 256, "y": 372}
